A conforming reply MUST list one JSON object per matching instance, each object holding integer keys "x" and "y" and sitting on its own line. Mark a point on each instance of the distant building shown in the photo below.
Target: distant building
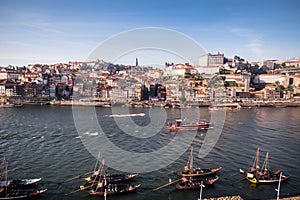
{"x": 292, "y": 63}
{"x": 3, "y": 74}
{"x": 208, "y": 70}
{"x": 161, "y": 93}
{"x": 152, "y": 91}
{"x": 270, "y": 64}
{"x": 213, "y": 60}
{"x": 241, "y": 80}
{"x": 2, "y": 89}
{"x": 209, "y": 63}
{"x": 144, "y": 93}
{"x": 179, "y": 69}
{"x": 271, "y": 79}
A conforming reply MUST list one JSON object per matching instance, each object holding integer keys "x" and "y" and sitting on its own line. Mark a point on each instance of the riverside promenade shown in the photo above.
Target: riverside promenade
{"x": 248, "y": 103}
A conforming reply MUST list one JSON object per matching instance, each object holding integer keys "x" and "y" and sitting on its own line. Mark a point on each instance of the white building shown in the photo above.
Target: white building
{"x": 271, "y": 78}
{"x": 179, "y": 70}
{"x": 2, "y": 90}
{"x": 240, "y": 79}
{"x": 208, "y": 70}
{"x": 211, "y": 60}
{"x": 3, "y": 74}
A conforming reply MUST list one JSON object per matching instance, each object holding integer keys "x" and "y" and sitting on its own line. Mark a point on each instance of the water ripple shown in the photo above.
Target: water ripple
{"x": 43, "y": 142}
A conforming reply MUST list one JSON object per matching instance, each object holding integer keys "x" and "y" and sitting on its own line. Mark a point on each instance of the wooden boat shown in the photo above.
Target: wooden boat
{"x": 111, "y": 178}
{"x": 201, "y": 125}
{"x": 19, "y": 182}
{"x": 279, "y": 105}
{"x": 198, "y": 172}
{"x": 190, "y": 171}
{"x": 189, "y": 179}
{"x": 101, "y": 183}
{"x": 100, "y": 172}
{"x": 230, "y": 107}
{"x": 18, "y": 189}
{"x": 264, "y": 175}
{"x": 6, "y": 105}
{"x": 192, "y": 183}
{"x": 111, "y": 189}
{"x": 13, "y": 193}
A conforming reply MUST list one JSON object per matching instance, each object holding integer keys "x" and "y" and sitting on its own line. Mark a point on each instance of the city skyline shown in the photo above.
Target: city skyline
{"x": 55, "y": 31}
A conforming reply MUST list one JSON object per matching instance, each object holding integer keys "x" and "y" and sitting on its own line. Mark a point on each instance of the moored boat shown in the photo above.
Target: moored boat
{"x": 263, "y": 175}
{"x": 7, "y": 105}
{"x": 193, "y": 178}
{"x": 111, "y": 189}
{"x": 99, "y": 174}
{"x": 18, "y": 189}
{"x": 230, "y": 107}
{"x": 13, "y": 193}
{"x": 192, "y": 183}
{"x": 19, "y": 182}
{"x": 190, "y": 171}
{"x": 198, "y": 172}
{"x": 110, "y": 178}
{"x": 101, "y": 183}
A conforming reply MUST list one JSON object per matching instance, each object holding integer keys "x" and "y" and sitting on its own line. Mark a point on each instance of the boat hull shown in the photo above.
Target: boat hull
{"x": 200, "y": 172}
{"x": 17, "y": 194}
{"x": 196, "y": 184}
{"x": 114, "y": 178}
{"x": 189, "y": 127}
{"x": 112, "y": 190}
{"x": 266, "y": 181}
{"x": 20, "y": 183}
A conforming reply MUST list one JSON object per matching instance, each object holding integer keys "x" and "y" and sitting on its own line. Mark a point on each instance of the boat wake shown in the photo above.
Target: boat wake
{"x": 91, "y": 133}
{"x": 126, "y": 115}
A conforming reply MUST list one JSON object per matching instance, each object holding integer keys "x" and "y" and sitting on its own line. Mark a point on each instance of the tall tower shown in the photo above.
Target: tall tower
{"x": 136, "y": 62}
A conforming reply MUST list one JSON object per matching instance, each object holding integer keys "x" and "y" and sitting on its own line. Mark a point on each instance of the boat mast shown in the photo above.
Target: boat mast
{"x": 97, "y": 164}
{"x": 257, "y": 160}
{"x": 267, "y": 162}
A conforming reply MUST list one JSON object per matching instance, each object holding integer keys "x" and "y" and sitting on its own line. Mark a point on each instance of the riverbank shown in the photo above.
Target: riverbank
{"x": 240, "y": 198}
{"x": 291, "y": 198}
{"x": 241, "y": 104}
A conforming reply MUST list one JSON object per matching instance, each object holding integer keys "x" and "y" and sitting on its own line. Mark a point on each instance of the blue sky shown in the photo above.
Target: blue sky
{"x": 69, "y": 30}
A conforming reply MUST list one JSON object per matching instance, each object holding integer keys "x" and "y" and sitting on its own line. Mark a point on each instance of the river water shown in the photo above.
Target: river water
{"x": 42, "y": 141}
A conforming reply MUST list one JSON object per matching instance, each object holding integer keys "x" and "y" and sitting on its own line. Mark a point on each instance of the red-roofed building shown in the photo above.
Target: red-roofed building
{"x": 292, "y": 63}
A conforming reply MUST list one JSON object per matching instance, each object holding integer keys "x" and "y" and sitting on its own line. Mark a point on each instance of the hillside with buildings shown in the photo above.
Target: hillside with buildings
{"x": 216, "y": 77}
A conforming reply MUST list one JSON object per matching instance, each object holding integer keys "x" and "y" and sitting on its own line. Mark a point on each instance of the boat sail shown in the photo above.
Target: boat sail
{"x": 263, "y": 175}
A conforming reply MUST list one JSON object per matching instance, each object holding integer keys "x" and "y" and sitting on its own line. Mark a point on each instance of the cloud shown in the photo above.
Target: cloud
{"x": 256, "y": 46}
{"x": 242, "y": 32}
{"x": 254, "y": 41}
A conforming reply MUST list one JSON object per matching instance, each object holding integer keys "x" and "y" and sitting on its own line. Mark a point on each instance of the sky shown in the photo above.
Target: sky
{"x": 52, "y": 31}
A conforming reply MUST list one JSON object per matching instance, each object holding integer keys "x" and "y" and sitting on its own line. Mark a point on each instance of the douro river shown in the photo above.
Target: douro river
{"x": 43, "y": 141}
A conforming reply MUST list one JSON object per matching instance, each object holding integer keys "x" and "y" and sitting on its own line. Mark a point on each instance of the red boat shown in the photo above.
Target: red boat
{"x": 201, "y": 125}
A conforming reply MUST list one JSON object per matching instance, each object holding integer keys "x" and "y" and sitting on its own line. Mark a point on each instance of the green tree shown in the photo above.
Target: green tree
{"x": 280, "y": 88}
{"x": 290, "y": 88}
